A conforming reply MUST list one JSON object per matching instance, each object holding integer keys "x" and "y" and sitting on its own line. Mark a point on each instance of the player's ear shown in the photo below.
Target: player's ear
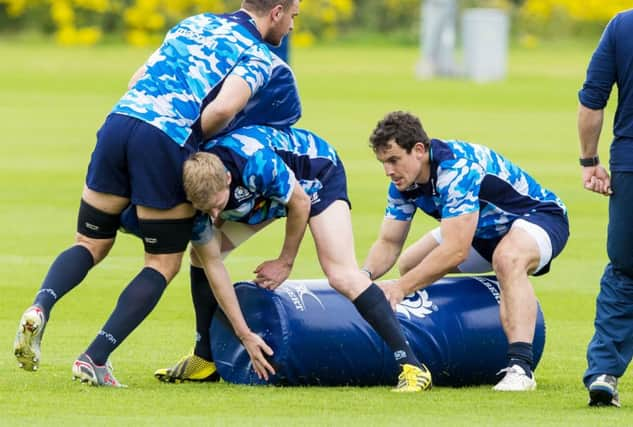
{"x": 276, "y": 12}
{"x": 228, "y": 178}
{"x": 420, "y": 148}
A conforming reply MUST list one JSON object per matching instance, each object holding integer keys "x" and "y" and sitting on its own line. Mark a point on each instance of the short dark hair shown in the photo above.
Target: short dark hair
{"x": 263, "y": 6}
{"x": 404, "y": 128}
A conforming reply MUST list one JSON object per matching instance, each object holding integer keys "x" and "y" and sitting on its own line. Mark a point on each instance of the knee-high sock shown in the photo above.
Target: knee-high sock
{"x": 67, "y": 271}
{"x": 204, "y": 304}
{"x": 134, "y": 304}
{"x": 375, "y": 309}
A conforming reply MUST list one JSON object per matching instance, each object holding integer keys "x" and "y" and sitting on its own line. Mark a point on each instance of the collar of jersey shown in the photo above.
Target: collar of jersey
{"x": 246, "y": 21}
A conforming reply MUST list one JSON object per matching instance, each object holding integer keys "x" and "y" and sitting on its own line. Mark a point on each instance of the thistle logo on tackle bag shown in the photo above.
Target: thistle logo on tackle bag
{"x": 417, "y": 304}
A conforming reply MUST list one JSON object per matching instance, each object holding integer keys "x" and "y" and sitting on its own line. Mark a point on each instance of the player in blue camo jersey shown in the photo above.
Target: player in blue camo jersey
{"x": 276, "y": 104}
{"x": 493, "y": 217}
{"x": 243, "y": 182}
{"x": 203, "y": 74}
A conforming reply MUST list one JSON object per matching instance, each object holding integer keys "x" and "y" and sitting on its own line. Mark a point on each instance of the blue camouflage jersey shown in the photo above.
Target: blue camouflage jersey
{"x": 186, "y": 72}
{"x": 265, "y": 163}
{"x": 467, "y": 178}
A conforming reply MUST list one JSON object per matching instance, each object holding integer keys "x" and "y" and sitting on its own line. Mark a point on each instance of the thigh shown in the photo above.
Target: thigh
{"x": 620, "y": 230}
{"x": 108, "y": 203}
{"x": 180, "y": 211}
{"x": 475, "y": 263}
{"x": 236, "y": 233}
{"x": 520, "y": 248}
{"x": 414, "y": 254}
{"x": 333, "y": 236}
{"x": 233, "y": 234}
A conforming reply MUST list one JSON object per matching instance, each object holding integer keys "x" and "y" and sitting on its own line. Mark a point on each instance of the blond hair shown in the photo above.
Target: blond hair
{"x": 203, "y": 175}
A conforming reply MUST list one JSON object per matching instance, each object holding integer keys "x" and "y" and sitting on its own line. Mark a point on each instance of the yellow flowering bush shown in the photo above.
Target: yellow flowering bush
{"x": 143, "y": 22}
{"x": 556, "y": 17}
{"x": 321, "y": 19}
{"x": 582, "y": 10}
{"x": 147, "y": 20}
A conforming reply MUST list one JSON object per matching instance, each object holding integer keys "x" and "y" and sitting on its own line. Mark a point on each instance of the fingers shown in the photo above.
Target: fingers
{"x": 599, "y": 185}
{"x": 273, "y": 285}
{"x": 265, "y": 348}
{"x": 262, "y": 368}
{"x": 266, "y": 283}
{"x": 265, "y": 368}
{"x": 256, "y": 348}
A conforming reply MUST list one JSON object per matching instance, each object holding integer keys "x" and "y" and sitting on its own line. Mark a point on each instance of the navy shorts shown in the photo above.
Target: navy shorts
{"x": 334, "y": 188}
{"x": 136, "y": 160}
{"x": 555, "y": 224}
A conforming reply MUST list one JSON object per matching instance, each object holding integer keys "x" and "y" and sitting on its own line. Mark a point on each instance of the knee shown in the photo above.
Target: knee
{"x": 98, "y": 248}
{"x": 343, "y": 281}
{"x": 166, "y": 264}
{"x": 506, "y": 263}
{"x": 622, "y": 262}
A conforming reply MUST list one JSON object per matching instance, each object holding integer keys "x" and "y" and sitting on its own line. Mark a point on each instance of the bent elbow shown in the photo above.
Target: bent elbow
{"x": 220, "y": 113}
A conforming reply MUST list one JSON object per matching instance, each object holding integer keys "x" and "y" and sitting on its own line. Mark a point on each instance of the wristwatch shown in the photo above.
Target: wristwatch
{"x": 589, "y": 161}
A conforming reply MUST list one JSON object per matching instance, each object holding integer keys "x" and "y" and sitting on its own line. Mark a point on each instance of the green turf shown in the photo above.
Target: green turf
{"x": 54, "y": 99}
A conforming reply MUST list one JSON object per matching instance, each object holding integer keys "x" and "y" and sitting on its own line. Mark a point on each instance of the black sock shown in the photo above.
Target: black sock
{"x": 67, "y": 271}
{"x": 375, "y": 309}
{"x": 134, "y": 304}
{"x": 204, "y": 304}
{"x": 520, "y": 353}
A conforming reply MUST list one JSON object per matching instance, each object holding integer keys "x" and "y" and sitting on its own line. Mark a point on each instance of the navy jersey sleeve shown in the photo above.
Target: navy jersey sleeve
{"x": 602, "y": 71}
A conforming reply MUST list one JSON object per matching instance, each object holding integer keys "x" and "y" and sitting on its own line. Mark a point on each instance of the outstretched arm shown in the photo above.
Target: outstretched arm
{"x": 270, "y": 274}
{"x": 457, "y": 237}
{"x": 385, "y": 250}
{"x": 209, "y": 255}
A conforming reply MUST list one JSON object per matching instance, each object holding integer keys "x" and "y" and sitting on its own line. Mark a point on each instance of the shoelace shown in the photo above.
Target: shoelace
{"x": 508, "y": 370}
{"x": 504, "y": 370}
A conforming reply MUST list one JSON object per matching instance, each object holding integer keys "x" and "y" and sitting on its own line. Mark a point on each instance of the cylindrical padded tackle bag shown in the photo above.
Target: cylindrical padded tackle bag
{"x": 319, "y": 338}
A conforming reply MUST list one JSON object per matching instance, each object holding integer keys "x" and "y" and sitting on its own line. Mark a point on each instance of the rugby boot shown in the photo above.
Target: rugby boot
{"x": 189, "y": 368}
{"x": 26, "y": 346}
{"x": 413, "y": 378}
{"x": 86, "y": 371}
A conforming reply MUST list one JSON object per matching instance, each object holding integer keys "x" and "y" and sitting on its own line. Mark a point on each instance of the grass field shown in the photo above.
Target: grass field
{"x": 52, "y": 100}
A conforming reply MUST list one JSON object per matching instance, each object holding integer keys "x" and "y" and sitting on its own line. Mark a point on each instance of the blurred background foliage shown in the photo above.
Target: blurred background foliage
{"x": 143, "y": 22}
